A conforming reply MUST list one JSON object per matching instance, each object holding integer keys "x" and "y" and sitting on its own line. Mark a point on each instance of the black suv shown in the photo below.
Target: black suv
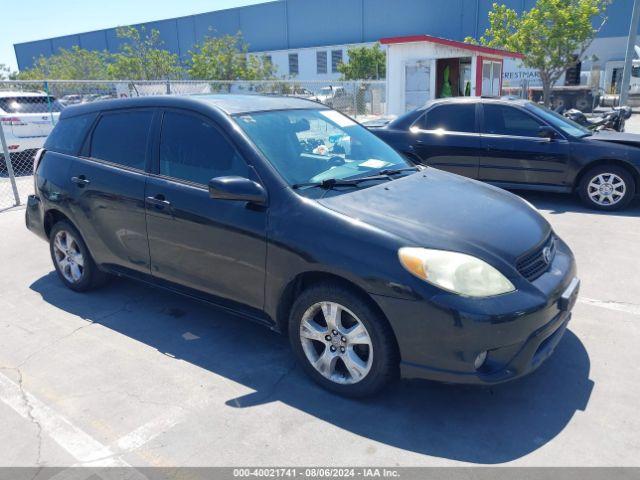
{"x": 293, "y": 215}
{"x": 518, "y": 144}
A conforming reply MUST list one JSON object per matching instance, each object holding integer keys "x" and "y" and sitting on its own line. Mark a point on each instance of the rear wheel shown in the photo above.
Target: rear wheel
{"x": 341, "y": 341}
{"x": 71, "y": 258}
{"x": 607, "y": 187}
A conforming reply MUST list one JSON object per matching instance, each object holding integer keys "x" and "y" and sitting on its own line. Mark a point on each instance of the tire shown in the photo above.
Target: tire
{"x": 354, "y": 368}
{"x": 71, "y": 258}
{"x": 597, "y": 183}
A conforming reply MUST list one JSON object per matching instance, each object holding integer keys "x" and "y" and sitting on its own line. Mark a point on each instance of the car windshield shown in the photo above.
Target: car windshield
{"x": 317, "y": 145}
{"x": 560, "y": 122}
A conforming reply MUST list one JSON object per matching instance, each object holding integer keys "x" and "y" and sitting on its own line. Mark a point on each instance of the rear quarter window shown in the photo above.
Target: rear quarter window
{"x": 69, "y": 133}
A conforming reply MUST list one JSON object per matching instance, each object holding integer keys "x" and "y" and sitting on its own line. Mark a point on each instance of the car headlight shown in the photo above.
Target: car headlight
{"x": 456, "y": 272}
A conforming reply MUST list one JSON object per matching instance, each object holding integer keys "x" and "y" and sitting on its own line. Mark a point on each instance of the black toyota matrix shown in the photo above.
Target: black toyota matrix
{"x": 293, "y": 215}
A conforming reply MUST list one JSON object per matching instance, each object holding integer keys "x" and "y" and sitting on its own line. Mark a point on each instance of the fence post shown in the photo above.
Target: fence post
{"x": 7, "y": 161}
{"x": 168, "y": 87}
{"x": 355, "y": 99}
{"x": 46, "y": 90}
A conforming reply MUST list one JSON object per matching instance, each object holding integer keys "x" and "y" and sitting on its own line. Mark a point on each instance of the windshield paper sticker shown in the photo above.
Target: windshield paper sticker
{"x": 374, "y": 163}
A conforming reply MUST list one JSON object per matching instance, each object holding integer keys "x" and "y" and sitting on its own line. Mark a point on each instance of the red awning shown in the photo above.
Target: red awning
{"x": 450, "y": 43}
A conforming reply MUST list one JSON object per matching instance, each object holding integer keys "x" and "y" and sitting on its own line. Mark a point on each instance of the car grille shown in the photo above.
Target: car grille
{"x": 533, "y": 264}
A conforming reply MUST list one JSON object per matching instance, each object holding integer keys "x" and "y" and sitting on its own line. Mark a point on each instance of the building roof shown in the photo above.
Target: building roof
{"x": 450, "y": 43}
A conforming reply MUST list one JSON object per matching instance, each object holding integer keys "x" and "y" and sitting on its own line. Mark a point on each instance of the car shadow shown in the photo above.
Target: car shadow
{"x": 557, "y": 203}
{"x": 473, "y": 424}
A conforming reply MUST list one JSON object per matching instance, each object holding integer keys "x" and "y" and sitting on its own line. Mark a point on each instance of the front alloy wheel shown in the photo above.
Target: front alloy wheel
{"x": 607, "y": 187}
{"x": 336, "y": 343}
{"x": 342, "y": 340}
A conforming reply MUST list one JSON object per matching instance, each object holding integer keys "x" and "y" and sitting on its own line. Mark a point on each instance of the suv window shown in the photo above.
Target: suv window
{"x": 451, "y": 118}
{"x": 39, "y": 104}
{"x": 192, "y": 149}
{"x": 505, "y": 120}
{"x": 69, "y": 133}
{"x": 121, "y": 138}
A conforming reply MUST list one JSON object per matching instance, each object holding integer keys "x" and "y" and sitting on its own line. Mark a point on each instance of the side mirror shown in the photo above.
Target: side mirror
{"x": 237, "y": 188}
{"x": 546, "y": 132}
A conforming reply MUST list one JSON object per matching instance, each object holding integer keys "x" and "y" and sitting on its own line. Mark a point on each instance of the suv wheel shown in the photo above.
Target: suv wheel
{"x": 72, "y": 260}
{"x": 607, "y": 187}
{"x": 341, "y": 341}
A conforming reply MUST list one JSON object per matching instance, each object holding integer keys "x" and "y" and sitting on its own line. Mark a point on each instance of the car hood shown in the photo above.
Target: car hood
{"x": 631, "y": 139}
{"x": 440, "y": 210}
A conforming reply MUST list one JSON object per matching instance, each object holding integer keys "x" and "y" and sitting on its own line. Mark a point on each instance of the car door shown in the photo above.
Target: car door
{"x": 446, "y": 137}
{"x": 107, "y": 189}
{"x": 217, "y": 247}
{"x": 515, "y": 153}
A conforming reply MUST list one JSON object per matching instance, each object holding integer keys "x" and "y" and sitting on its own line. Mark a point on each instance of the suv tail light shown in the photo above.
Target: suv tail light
{"x": 37, "y": 158}
{"x": 12, "y": 121}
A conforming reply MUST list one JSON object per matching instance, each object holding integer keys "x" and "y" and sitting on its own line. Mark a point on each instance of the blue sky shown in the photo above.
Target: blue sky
{"x": 27, "y": 20}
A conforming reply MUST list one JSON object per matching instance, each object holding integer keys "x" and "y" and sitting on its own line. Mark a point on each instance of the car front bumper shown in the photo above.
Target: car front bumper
{"x": 440, "y": 338}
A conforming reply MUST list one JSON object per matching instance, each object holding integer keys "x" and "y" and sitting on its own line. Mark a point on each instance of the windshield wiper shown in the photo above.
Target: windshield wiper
{"x": 329, "y": 183}
{"x": 396, "y": 171}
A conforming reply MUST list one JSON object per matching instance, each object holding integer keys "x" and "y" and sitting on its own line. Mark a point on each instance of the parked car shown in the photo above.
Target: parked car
{"x": 520, "y": 145}
{"x": 373, "y": 265}
{"x": 27, "y": 118}
{"x": 301, "y": 92}
{"x": 334, "y": 97}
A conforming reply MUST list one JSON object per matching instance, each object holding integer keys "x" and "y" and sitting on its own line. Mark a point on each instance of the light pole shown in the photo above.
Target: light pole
{"x": 628, "y": 61}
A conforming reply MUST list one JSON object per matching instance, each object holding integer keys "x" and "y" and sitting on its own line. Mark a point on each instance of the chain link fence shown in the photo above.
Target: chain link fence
{"x": 30, "y": 109}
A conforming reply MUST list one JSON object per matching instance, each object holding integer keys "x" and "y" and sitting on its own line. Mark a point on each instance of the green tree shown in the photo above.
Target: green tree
{"x": 141, "y": 58}
{"x": 69, "y": 64}
{"x": 6, "y": 73}
{"x": 226, "y": 57}
{"x": 553, "y": 35}
{"x": 365, "y": 63}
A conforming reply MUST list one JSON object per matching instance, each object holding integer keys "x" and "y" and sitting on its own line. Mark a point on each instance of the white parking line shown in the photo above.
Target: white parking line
{"x": 82, "y": 446}
{"x": 611, "y": 305}
{"x": 151, "y": 430}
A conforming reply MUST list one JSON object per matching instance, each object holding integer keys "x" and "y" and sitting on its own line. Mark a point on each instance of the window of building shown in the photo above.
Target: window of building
{"x": 321, "y": 62}
{"x": 451, "y": 118}
{"x": 336, "y": 59}
{"x": 293, "y": 64}
{"x": 505, "y": 120}
{"x": 192, "y": 149}
{"x": 491, "y": 75}
{"x": 121, "y": 138}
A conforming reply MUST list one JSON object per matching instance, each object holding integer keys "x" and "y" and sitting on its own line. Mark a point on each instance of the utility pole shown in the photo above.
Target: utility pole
{"x": 628, "y": 61}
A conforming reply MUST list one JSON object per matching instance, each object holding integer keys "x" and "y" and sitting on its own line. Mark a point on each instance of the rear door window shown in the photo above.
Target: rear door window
{"x": 506, "y": 120}
{"x": 193, "y": 149}
{"x": 68, "y": 135}
{"x": 451, "y": 118}
{"x": 121, "y": 138}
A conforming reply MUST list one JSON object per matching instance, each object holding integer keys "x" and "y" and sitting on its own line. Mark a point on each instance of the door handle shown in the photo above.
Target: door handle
{"x": 158, "y": 201}
{"x": 80, "y": 181}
